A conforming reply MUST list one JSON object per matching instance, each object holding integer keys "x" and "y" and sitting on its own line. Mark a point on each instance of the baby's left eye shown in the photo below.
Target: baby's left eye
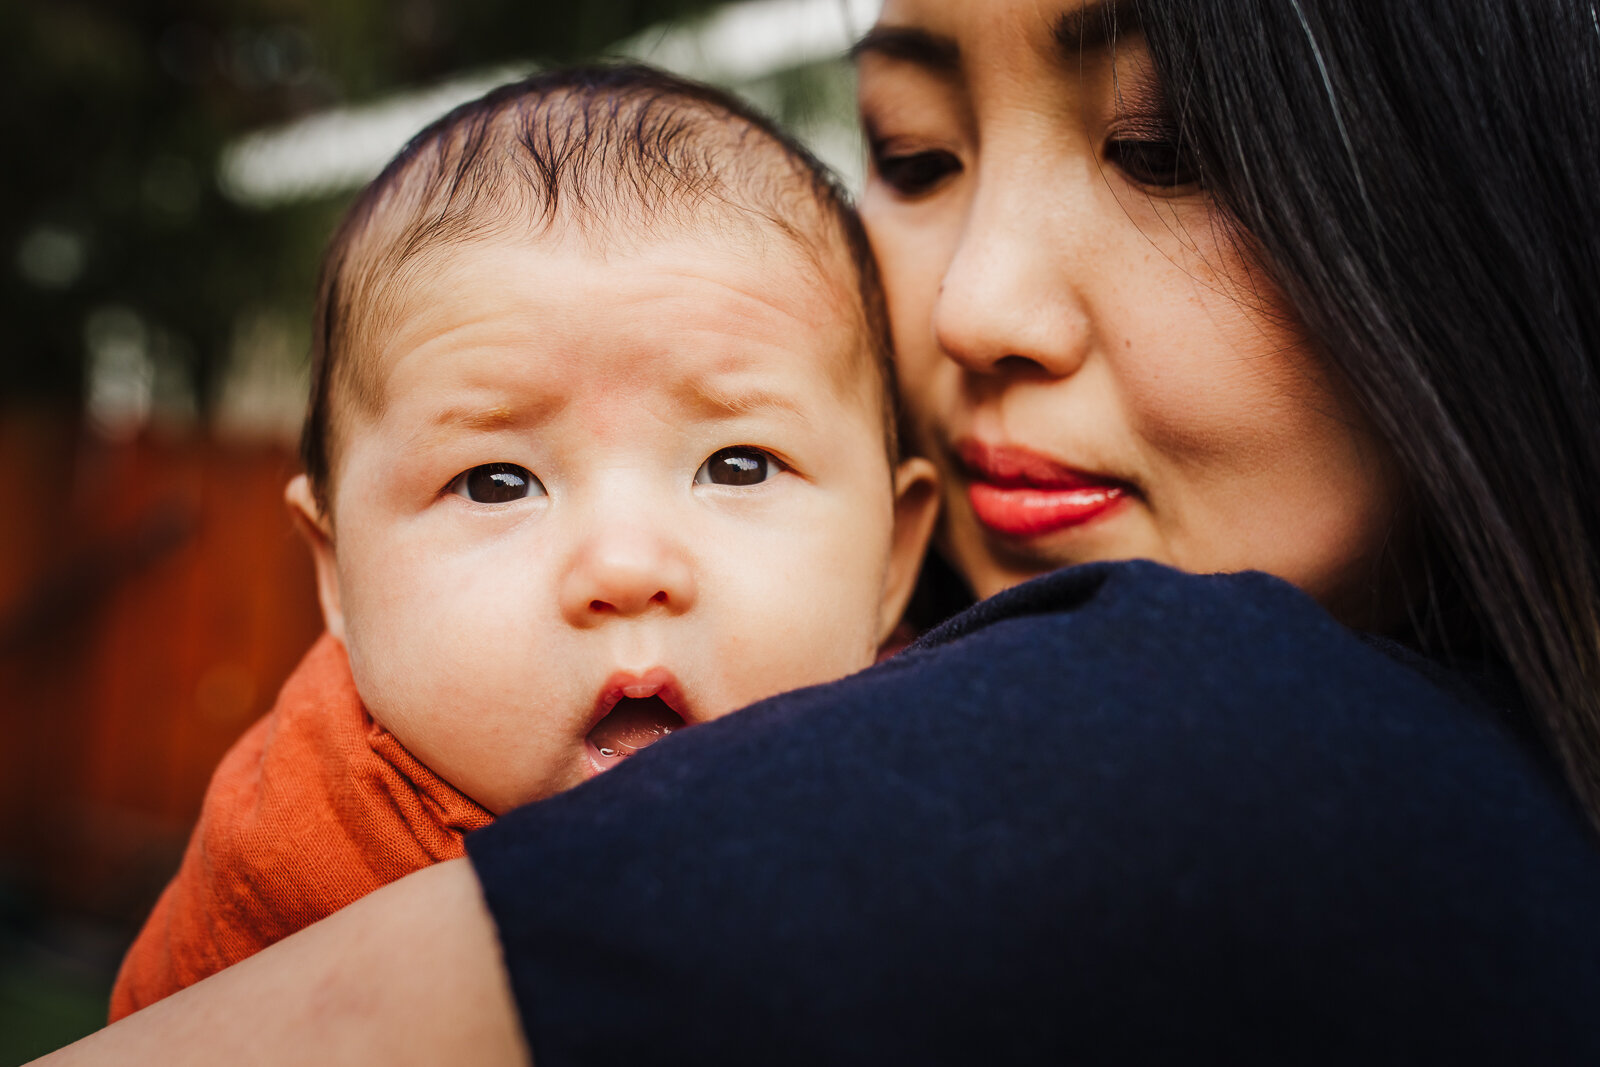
{"x": 739, "y": 465}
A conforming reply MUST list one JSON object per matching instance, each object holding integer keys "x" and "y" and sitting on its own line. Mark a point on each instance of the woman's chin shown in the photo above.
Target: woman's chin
{"x": 993, "y": 568}
{"x": 994, "y": 559}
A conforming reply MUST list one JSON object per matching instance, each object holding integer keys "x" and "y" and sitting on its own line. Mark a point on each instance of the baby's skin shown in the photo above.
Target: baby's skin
{"x": 604, "y": 495}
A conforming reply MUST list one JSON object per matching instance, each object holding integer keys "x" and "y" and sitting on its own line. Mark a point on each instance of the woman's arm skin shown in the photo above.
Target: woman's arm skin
{"x": 410, "y": 974}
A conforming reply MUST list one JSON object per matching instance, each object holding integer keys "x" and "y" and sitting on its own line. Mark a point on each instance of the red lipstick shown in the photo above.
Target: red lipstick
{"x": 1021, "y": 493}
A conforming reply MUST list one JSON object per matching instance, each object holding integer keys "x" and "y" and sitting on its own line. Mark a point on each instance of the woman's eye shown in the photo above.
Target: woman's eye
{"x": 496, "y": 483}
{"x": 740, "y": 465}
{"x": 913, "y": 173}
{"x": 1159, "y": 164}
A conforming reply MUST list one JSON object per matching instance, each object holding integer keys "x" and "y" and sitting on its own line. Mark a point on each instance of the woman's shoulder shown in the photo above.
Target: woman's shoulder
{"x": 1186, "y": 690}
{"x": 1203, "y": 649}
{"x": 1135, "y": 608}
{"x": 1117, "y": 814}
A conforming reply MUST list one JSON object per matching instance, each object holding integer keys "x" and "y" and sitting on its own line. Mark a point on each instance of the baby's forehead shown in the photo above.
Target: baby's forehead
{"x": 620, "y": 155}
{"x": 697, "y": 303}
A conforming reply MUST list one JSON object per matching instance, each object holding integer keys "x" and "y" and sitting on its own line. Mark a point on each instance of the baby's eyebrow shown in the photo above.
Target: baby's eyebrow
{"x": 495, "y": 418}
{"x": 708, "y": 401}
{"x": 489, "y": 418}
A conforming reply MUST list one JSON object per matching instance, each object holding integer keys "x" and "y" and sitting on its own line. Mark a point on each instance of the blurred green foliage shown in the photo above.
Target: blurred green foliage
{"x": 114, "y": 118}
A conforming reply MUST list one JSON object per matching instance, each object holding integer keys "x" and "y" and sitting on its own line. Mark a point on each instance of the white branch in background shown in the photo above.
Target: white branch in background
{"x": 749, "y": 41}
{"x": 736, "y": 44}
{"x": 342, "y": 147}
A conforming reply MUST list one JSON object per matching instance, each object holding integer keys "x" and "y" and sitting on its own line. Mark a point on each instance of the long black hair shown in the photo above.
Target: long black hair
{"x": 1422, "y": 181}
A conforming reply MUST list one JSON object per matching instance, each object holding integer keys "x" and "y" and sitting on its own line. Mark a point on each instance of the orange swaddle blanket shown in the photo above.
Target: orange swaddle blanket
{"x": 313, "y": 808}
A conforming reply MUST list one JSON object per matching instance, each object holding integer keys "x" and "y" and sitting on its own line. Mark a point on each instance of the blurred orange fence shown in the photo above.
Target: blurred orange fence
{"x": 153, "y": 596}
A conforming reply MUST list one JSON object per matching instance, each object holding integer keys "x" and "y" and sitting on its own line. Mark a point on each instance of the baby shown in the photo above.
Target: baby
{"x": 600, "y": 445}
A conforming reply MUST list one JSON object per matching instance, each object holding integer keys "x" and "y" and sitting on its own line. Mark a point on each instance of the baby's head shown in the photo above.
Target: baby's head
{"x": 601, "y": 434}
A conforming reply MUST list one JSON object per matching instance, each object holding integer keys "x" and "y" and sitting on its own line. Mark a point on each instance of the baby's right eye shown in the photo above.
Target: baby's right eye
{"x": 495, "y": 483}
{"x": 912, "y": 173}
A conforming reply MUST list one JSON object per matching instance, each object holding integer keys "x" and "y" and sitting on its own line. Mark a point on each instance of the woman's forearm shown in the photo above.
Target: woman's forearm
{"x": 410, "y": 974}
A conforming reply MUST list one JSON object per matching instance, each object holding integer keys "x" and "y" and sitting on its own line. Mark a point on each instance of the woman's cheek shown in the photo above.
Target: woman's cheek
{"x": 913, "y": 245}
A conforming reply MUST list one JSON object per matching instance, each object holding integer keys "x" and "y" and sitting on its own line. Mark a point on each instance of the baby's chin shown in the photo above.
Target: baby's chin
{"x": 506, "y": 795}
{"x": 498, "y": 780}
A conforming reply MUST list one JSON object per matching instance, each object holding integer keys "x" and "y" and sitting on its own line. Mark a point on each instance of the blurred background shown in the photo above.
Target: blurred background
{"x": 172, "y": 170}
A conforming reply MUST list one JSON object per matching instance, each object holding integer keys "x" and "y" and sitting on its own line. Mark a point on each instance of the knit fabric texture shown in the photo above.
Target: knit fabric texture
{"x": 313, "y": 808}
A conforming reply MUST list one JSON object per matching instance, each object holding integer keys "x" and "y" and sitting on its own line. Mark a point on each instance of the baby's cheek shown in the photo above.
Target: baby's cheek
{"x": 407, "y": 678}
{"x": 772, "y": 656}
{"x": 826, "y": 646}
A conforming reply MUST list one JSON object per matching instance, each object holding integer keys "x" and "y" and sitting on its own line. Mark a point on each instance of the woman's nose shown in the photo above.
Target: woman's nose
{"x": 1010, "y": 300}
{"x": 621, "y": 572}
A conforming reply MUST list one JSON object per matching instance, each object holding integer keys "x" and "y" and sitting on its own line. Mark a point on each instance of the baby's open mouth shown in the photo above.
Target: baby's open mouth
{"x": 633, "y": 724}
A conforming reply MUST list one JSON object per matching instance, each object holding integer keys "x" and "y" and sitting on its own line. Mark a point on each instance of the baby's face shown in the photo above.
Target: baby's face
{"x": 608, "y": 496}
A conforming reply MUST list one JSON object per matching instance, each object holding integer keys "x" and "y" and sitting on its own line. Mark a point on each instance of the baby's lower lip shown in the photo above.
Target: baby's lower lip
{"x": 1029, "y": 511}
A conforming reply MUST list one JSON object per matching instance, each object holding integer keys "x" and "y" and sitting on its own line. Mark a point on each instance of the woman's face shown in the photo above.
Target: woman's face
{"x": 1086, "y": 354}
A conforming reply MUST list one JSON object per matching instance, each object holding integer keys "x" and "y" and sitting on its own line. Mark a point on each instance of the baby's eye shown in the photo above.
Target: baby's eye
{"x": 739, "y": 465}
{"x": 495, "y": 483}
{"x": 912, "y": 173}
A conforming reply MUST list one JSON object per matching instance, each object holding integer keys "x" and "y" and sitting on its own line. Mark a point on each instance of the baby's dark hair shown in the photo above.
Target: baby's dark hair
{"x": 613, "y": 155}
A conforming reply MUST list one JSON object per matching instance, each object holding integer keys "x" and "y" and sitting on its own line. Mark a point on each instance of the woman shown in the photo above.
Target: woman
{"x": 1302, "y": 287}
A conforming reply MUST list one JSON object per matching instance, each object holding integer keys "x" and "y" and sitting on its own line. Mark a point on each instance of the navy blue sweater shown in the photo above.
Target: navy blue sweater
{"x": 1115, "y": 815}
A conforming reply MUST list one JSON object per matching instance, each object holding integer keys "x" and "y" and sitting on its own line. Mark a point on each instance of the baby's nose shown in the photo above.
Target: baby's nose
{"x": 622, "y": 573}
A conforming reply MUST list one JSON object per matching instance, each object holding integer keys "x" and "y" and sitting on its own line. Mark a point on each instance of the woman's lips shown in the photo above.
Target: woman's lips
{"x": 1028, "y": 512}
{"x": 1020, "y": 493}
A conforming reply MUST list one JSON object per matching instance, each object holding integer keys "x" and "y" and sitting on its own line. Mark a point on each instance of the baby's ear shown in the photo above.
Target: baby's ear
{"x": 916, "y": 505}
{"x": 318, "y": 532}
